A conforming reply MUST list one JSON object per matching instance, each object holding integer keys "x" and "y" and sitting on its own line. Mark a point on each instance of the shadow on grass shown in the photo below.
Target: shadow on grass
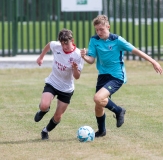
{"x": 36, "y": 141}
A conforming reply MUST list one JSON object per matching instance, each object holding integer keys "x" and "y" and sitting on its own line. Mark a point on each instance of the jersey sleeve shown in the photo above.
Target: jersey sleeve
{"x": 53, "y": 45}
{"x": 80, "y": 64}
{"x": 79, "y": 61}
{"x": 91, "y": 48}
{"x": 124, "y": 45}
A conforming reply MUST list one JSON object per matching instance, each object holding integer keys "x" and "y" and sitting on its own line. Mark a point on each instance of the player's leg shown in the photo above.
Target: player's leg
{"x": 100, "y": 102}
{"x": 62, "y": 104}
{"x": 112, "y": 86}
{"x": 46, "y": 98}
{"x": 106, "y": 86}
{"x": 54, "y": 121}
{"x": 44, "y": 106}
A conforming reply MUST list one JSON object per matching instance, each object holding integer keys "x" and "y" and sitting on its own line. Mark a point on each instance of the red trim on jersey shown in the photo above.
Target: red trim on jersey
{"x": 72, "y": 50}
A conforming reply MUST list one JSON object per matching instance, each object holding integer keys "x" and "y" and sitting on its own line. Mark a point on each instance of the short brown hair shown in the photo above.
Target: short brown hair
{"x": 65, "y": 35}
{"x": 101, "y": 19}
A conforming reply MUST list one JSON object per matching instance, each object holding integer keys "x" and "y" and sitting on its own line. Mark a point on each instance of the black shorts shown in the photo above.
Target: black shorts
{"x": 62, "y": 96}
{"x": 109, "y": 82}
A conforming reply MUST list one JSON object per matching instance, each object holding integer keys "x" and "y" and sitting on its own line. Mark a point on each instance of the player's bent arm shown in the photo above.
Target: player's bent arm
{"x": 76, "y": 74}
{"x": 155, "y": 64}
{"x": 89, "y": 59}
{"x": 45, "y": 50}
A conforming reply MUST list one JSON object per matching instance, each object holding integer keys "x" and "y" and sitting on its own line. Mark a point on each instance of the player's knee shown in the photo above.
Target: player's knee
{"x": 98, "y": 100}
{"x": 44, "y": 107}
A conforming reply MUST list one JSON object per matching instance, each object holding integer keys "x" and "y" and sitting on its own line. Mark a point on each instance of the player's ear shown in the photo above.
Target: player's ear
{"x": 72, "y": 40}
{"x": 108, "y": 26}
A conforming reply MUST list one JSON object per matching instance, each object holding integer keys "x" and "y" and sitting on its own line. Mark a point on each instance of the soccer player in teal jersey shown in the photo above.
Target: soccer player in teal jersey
{"x": 109, "y": 50}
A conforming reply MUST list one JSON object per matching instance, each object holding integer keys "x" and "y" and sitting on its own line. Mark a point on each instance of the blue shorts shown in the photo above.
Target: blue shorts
{"x": 109, "y": 82}
{"x": 62, "y": 96}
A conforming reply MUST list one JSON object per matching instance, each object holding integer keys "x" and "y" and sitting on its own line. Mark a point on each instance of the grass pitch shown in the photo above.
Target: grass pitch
{"x": 140, "y": 137}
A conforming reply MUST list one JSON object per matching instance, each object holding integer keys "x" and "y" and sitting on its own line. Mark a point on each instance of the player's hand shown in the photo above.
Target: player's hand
{"x": 39, "y": 61}
{"x": 157, "y": 68}
{"x": 83, "y": 52}
{"x": 74, "y": 65}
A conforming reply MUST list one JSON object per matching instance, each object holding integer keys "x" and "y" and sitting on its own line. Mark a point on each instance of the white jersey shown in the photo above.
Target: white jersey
{"x": 61, "y": 77}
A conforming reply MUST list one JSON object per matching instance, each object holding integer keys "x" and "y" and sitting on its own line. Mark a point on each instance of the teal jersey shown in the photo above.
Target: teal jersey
{"x": 109, "y": 54}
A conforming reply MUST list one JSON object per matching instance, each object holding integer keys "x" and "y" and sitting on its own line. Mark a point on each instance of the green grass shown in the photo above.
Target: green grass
{"x": 37, "y": 34}
{"x": 140, "y": 137}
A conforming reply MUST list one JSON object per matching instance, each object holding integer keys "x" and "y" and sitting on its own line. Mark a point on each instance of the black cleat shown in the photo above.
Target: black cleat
{"x": 39, "y": 115}
{"x": 120, "y": 117}
{"x": 44, "y": 135}
{"x": 98, "y": 134}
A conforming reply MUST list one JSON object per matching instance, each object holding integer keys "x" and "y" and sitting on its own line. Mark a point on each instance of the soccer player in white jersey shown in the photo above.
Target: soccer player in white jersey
{"x": 109, "y": 50}
{"x": 67, "y": 65}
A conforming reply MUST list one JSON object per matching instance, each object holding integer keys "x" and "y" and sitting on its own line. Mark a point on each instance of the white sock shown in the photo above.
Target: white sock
{"x": 44, "y": 111}
{"x": 45, "y": 130}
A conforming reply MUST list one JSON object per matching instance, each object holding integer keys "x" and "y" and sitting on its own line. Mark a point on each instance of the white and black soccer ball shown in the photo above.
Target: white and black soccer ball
{"x": 85, "y": 134}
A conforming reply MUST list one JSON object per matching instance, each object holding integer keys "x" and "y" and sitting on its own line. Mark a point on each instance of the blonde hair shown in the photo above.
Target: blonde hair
{"x": 101, "y": 19}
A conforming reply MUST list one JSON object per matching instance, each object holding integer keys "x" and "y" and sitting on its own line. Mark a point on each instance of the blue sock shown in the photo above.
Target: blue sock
{"x": 113, "y": 107}
{"x": 101, "y": 123}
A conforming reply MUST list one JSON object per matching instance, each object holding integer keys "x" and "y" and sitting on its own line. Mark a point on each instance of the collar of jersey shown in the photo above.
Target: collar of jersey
{"x": 72, "y": 50}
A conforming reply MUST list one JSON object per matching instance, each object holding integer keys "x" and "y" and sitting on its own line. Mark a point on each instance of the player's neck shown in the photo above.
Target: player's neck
{"x": 72, "y": 48}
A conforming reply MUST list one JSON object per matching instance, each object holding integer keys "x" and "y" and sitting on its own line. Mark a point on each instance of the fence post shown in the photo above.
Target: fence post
{"x": 158, "y": 28}
{"x": 3, "y": 37}
{"x": 14, "y": 27}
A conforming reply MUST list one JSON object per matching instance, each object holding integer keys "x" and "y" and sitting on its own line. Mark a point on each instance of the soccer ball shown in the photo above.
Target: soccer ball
{"x": 85, "y": 134}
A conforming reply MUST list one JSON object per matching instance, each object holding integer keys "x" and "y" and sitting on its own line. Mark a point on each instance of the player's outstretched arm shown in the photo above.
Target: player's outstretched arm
{"x": 41, "y": 56}
{"x": 155, "y": 64}
{"x": 88, "y": 59}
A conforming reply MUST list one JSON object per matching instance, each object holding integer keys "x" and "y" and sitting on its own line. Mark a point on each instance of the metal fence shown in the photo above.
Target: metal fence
{"x": 27, "y": 25}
